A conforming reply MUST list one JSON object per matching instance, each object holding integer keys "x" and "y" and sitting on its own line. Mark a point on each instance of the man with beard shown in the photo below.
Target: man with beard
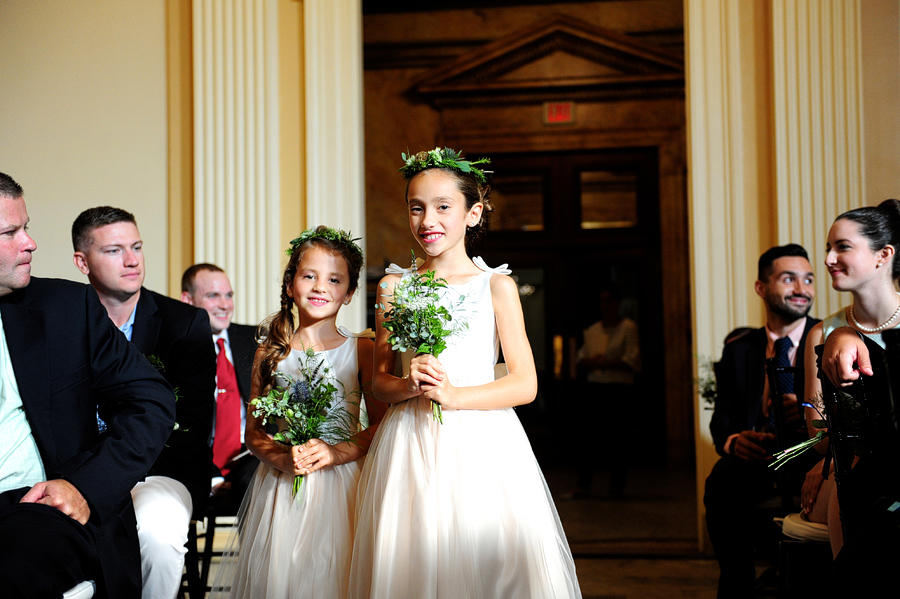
{"x": 741, "y": 425}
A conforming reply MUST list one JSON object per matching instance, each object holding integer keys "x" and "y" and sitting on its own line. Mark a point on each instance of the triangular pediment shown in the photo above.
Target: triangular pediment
{"x": 560, "y": 56}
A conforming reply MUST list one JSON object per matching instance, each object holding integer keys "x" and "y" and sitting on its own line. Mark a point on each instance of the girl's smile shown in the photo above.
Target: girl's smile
{"x": 321, "y": 285}
{"x": 437, "y": 212}
{"x": 431, "y": 237}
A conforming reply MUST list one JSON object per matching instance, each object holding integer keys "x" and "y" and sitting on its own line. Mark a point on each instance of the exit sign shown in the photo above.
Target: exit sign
{"x": 559, "y": 113}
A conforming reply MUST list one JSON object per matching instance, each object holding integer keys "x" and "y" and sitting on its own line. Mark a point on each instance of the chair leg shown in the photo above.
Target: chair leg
{"x": 208, "y": 552}
{"x": 192, "y": 565}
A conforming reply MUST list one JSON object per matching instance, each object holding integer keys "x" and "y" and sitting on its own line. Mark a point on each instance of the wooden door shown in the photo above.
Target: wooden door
{"x": 570, "y": 224}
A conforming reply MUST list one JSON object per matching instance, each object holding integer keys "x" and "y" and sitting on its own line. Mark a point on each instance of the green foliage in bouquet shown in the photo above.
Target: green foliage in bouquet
{"x": 417, "y": 321}
{"x": 309, "y": 407}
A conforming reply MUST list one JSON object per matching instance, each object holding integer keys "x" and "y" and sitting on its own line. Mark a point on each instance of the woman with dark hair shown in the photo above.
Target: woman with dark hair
{"x": 862, "y": 246}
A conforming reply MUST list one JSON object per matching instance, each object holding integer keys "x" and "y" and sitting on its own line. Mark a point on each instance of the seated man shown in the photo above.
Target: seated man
{"x": 740, "y": 425}
{"x": 65, "y": 505}
{"x": 176, "y": 338}
{"x": 207, "y": 286}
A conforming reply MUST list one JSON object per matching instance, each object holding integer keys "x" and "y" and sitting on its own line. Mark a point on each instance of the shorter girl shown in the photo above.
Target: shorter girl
{"x": 299, "y": 546}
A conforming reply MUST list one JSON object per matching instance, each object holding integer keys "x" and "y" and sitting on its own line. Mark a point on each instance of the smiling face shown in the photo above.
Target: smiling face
{"x": 114, "y": 260}
{"x": 16, "y": 245}
{"x": 213, "y": 293}
{"x": 438, "y": 215}
{"x": 851, "y": 262}
{"x": 321, "y": 285}
{"x": 789, "y": 290}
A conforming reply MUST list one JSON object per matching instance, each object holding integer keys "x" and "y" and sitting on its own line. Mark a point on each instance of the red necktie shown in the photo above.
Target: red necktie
{"x": 227, "y": 440}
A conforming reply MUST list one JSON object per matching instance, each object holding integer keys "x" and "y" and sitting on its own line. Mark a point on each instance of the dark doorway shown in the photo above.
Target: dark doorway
{"x": 571, "y": 224}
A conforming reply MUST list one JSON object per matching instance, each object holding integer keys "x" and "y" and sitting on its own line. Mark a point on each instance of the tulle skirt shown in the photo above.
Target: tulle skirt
{"x": 456, "y": 510}
{"x": 290, "y": 547}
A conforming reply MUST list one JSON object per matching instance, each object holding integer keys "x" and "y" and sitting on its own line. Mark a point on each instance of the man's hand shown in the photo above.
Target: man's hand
{"x": 750, "y": 445}
{"x": 62, "y": 495}
{"x": 220, "y": 489}
{"x": 843, "y": 349}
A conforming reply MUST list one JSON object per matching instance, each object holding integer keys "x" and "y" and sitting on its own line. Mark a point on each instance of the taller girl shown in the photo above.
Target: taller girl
{"x": 458, "y": 509}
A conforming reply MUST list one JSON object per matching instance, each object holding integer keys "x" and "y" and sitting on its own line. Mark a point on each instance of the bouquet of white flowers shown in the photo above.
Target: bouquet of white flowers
{"x": 417, "y": 321}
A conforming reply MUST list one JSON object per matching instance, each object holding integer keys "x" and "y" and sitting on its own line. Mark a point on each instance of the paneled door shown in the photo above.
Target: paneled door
{"x": 571, "y": 224}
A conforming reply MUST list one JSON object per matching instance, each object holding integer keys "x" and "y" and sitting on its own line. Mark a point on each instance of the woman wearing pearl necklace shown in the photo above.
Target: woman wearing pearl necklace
{"x": 861, "y": 258}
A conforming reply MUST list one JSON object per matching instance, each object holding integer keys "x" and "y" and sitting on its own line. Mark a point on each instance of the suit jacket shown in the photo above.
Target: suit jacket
{"x": 740, "y": 379}
{"x": 242, "y": 338}
{"x": 70, "y": 362}
{"x": 179, "y": 336}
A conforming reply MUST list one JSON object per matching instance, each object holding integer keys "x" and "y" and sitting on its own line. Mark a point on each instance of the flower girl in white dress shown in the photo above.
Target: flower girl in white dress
{"x": 287, "y": 546}
{"x": 457, "y": 509}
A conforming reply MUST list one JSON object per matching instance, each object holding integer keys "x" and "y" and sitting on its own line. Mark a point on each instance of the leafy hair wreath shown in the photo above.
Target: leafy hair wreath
{"x": 322, "y": 232}
{"x": 443, "y": 158}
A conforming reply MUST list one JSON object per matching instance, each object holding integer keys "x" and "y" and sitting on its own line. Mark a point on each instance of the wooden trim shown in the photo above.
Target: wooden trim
{"x": 180, "y": 107}
{"x": 561, "y": 27}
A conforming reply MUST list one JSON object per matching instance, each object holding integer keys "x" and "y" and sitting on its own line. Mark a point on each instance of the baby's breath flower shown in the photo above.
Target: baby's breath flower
{"x": 416, "y": 320}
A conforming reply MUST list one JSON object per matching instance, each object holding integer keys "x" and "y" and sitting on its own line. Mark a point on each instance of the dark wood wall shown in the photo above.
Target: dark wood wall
{"x": 479, "y": 80}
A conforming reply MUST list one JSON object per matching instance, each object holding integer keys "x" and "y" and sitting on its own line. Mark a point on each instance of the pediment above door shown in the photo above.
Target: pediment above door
{"x": 561, "y": 58}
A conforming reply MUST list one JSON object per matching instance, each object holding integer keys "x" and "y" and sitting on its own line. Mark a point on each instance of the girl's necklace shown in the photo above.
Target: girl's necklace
{"x": 879, "y": 327}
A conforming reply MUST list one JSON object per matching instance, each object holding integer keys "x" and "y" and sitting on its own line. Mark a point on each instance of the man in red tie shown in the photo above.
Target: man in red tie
{"x": 207, "y": 286}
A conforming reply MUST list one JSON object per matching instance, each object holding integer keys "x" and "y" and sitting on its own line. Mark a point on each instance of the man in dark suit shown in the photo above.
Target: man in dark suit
{"x": 65, "y": 508}
{"x": 207, "y": 286}
{"x": 740, "y": 425}
{"x": 176, "y": 339}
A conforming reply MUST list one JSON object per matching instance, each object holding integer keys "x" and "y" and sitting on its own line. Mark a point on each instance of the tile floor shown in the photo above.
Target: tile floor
{"x": 641, "y": 546}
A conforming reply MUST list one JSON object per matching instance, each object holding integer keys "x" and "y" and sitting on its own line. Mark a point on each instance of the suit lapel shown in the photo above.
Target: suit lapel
{"x": 756, "y": 374}
{"x": 147, "y": 323}
{"x": 242, "y": 345}
{"x": 26, "y": 339}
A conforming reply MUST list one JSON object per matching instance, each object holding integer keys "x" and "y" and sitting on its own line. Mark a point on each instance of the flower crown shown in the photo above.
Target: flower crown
{"x": 322, "y": 232}
{"x": 442, "y": 158}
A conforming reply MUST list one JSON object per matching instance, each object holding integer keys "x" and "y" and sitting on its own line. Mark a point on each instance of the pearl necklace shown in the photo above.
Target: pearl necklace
{"x": 879, "y": 327}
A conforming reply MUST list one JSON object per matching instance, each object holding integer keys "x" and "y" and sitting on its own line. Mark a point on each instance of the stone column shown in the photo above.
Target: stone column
{"x": 236, "y": 151}
{"x": 335, "y": 171}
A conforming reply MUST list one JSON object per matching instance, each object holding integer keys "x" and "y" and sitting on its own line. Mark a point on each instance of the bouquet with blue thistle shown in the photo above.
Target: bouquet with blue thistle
{"x": 417, "y": 320}
{"x": 308, "y": 407}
